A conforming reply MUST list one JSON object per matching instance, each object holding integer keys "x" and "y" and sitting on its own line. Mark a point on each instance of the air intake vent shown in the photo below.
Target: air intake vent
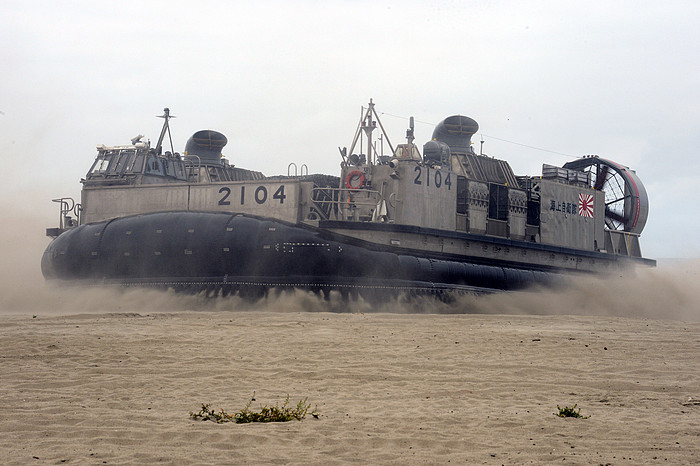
{"x": 456, "y": 131}
{"x": 207, "y": 145}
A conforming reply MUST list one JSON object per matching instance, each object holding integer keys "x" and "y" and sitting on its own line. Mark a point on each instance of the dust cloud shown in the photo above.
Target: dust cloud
{"x": 666, "y": 292}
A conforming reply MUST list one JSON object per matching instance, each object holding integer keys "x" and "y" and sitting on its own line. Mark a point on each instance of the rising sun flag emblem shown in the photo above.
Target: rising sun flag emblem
{"x": 585, "y": 205}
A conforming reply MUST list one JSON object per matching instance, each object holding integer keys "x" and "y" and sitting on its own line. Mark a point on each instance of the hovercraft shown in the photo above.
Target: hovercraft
{"x": 444, "y": 220}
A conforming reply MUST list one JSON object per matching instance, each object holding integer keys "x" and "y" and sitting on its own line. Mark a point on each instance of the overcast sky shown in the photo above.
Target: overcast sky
{"x": 285, "y": 81}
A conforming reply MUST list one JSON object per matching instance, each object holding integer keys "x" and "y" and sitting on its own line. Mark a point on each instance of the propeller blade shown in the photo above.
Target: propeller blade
{"x": 601, "y": 177}
{"x": 615, "y": 216}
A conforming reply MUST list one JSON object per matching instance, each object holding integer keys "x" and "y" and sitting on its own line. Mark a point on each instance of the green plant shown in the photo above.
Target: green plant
{"x": 274, "y": 413}
{"x": 570, "y": 412}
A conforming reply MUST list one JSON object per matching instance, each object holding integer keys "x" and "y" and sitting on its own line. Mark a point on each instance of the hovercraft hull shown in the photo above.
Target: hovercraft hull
{"x": 231, "y": 252}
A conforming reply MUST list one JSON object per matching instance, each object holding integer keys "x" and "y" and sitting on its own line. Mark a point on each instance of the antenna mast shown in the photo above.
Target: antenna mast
{"x": 369, "y": 124}
{"x": 166, "y": 127}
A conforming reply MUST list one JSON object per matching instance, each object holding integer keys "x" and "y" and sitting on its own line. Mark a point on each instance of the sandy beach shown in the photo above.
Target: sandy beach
{"x": 117, "y": 387}
{"x": 109, "y": 376}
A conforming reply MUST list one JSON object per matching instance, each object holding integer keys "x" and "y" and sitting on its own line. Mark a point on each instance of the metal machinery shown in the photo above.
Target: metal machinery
{"x": 626, "y": 202}
{"x": 446, "y": 219}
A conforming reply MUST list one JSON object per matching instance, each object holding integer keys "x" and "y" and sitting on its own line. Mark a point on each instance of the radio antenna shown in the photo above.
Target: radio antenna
{"x": 166, "y": 127}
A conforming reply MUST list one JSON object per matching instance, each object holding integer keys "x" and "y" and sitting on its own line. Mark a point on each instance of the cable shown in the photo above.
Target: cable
{"x": 532, "y": 147}
{"x": 569, "y": 156}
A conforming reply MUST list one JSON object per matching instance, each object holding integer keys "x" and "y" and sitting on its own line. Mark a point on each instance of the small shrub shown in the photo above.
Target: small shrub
{"x": 274, "y": 413}
{"x": 570, "y": 412}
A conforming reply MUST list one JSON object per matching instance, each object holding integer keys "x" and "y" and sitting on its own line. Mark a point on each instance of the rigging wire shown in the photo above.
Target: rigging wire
{"x": 568, "y": 156}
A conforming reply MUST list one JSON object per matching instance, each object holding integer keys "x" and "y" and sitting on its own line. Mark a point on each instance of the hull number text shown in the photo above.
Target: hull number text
{"x": 260, "y": 195}
{"x": 424, "y": 175}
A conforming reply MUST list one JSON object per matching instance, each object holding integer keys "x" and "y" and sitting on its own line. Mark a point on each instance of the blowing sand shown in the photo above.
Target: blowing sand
{"x": 390, "y": 388}
{"x": 109, "y": 376}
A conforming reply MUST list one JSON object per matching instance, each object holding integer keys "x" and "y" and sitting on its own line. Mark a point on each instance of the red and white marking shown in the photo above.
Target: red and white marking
{"x": 585, "y": 205}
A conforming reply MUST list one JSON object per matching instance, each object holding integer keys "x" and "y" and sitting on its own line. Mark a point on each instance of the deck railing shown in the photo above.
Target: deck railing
{"x": 343, "y": 203}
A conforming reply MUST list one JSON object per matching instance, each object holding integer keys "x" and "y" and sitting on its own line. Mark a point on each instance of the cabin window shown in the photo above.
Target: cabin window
{"x": 136, "y": 164}
{"x": 121, "y": 161}
{"x": 113, "y": 163}
{"x": 100, "y": 166}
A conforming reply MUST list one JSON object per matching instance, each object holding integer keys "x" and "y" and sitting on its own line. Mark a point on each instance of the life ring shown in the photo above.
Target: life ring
{"x": 352, "y": 175}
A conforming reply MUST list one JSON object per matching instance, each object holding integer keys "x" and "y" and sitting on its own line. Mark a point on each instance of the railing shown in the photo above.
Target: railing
{"x": 68, "y": 205}
{"x": 304, "y": 169}
{"x": 65, "y": 221}
{"x": 343, "y": 203}
{"x": 190, "y": 168}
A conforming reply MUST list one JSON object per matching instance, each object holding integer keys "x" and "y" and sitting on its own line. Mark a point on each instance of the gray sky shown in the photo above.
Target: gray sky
{"x": 285, "y": 80}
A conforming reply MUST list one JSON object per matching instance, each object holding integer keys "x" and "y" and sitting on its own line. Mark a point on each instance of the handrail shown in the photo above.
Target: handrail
{"x": 68, "y": 205}
{"x": 348, "y": 195}
{"x": 189, "y": 166}
{"x": 343, "y": 203}
{"x": 303, "y": 170}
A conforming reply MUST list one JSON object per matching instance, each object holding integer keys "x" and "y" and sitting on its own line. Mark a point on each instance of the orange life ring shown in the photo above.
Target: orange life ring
{"x": 352, "y": 175}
